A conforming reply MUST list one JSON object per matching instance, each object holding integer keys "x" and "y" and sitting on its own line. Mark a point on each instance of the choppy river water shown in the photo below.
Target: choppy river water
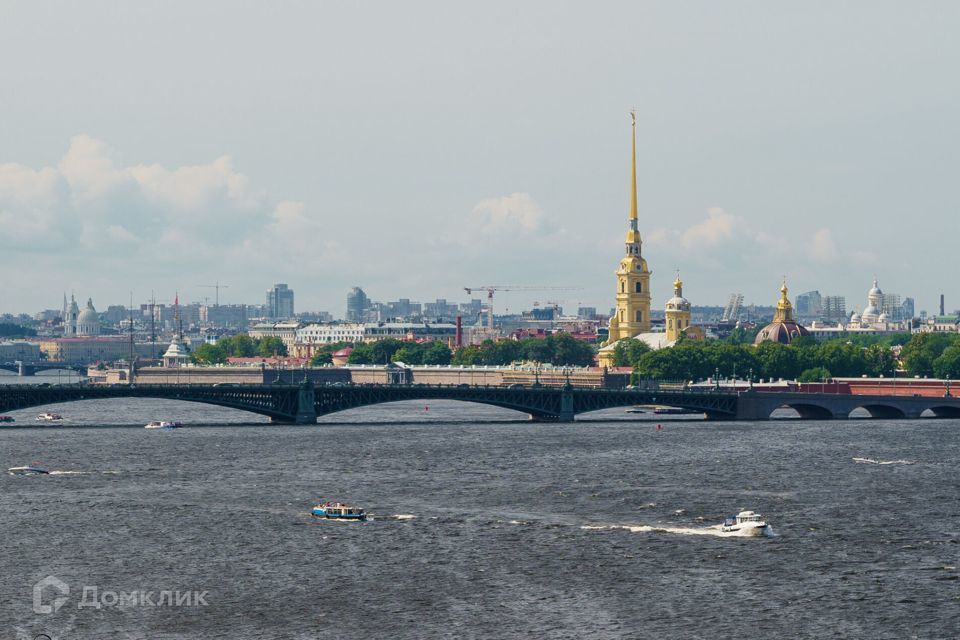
{"x": 483, "y": 526}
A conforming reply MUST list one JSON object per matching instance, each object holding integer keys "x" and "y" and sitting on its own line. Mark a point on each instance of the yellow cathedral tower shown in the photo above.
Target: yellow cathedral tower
{"x": 632, "y": 315}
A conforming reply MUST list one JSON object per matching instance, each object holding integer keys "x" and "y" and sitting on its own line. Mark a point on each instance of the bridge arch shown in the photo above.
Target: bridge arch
{"x": 329, "y": 402}
{"x": 108, "y": 412}
{"x": 945, "y": 412}
{"x": 877, "y": 410}
{"x": 431, "y": 410}
{"x": 810, "y": 411}
{"x": 276, "y": 403}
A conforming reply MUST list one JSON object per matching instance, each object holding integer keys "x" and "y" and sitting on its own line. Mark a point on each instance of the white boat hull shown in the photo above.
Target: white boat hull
{"x": 749, "y": 529}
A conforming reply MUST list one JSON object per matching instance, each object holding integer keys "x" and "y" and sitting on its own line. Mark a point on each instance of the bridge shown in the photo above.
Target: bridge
{"x": 305, "y": 402}
{"x": 32, "y": 368}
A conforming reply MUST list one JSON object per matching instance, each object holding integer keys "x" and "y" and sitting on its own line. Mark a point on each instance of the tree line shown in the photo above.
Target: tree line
{"x": 238, "y": 346}
{"x": 806, "y": 360}
{"x": 10, "y": 330}
{"x": 560, "y": 349}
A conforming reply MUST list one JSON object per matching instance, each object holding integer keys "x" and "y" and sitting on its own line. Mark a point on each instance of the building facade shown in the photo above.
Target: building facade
{"x": 372, "y": 331}
{"x": 286, "y": 331}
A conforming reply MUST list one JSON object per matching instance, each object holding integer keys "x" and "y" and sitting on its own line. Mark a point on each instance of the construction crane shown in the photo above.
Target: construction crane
{"x": 217, "y": 287}
{"x": 732, "y": 311}
{"x": 515, "y": 287}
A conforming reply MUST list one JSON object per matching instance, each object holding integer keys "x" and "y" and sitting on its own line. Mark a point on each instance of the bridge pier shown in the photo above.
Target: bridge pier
{"x": 566, "y": 405}
{"x": 306, "y": 404}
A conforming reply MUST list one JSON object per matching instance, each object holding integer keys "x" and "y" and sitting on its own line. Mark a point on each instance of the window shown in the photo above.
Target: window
{"x": 623, "y": 286}
{"x": 639, "y": 287}
{"x": 639, "y": 316}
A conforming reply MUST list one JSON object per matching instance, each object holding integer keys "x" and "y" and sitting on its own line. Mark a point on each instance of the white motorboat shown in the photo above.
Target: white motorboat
{"x": 747, "y": 523}
{"x": 163, "y": 424}
{"x": 49, "y": 417}
{"x": 27, "y": 471}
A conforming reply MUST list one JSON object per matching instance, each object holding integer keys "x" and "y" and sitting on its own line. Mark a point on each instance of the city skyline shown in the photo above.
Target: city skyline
{"x": 417, "y": 175}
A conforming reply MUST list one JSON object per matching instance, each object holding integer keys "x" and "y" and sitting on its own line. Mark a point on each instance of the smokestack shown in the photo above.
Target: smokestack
{"x": 459, "y": 337}
{"x": 942, "y": 309}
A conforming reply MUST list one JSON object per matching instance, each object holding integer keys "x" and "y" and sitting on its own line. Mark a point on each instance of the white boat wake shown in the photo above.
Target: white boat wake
{"x": 82, "y": 473}
{"x": 715, "y": 530}
{"x": 872, "y": 461}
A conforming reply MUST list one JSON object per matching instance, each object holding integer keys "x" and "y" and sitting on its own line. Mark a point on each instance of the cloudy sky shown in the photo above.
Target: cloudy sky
{"x": 415, "y": 148}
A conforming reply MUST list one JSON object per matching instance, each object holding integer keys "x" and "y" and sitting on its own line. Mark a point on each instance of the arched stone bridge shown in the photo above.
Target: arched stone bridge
{"x": 31, "y": 368}
{"x": 302, "y": 404}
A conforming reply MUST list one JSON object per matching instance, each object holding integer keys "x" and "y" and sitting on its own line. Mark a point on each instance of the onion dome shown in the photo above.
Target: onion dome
{"x": 784, "y": 328}
{"x": 677, "y": 302}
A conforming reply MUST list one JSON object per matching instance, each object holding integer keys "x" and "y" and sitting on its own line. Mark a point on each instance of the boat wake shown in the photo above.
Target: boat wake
{"x": 83, "y": 473}
{"x": 396, "y": 516}
{"x": 872, "y": 461}
{"x": 715, "y": 530}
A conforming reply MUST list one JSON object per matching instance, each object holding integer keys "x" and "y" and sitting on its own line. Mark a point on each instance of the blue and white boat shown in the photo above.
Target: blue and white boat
{"x": 338, "y": 511}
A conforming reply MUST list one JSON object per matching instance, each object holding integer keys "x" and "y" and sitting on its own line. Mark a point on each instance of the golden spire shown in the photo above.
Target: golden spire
{"x": 633, "y": 166}
{"x": 678, "y": 285}
{"x": 633, "y": 233}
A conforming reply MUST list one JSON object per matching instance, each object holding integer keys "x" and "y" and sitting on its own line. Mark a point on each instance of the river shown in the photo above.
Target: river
{"x": 483, "y": 526}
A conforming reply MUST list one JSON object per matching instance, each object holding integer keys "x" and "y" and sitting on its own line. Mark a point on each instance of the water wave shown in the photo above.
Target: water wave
{"x": 872, "y": 461}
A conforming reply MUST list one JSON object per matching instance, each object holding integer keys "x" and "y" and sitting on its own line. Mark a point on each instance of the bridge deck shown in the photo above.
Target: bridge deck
{"x": 303, "y": 403}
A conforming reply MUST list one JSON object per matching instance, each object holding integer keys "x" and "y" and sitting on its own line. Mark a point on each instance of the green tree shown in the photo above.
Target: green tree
{"x": 270, "y": 346}
{"x": 817, "y": 374}
{"x": 879, "y": 361}
{"x": 321, "y": 358}
{"x": 437, "y": 352}
{"x": 209, "y": 354}
{"x": 947, "y": 364}
{"x": 468, "y": 356}
{"x": 362, "y": 354}
{"x": 239, "y": 346}
{"x": 919, "y": 354}
{"x": 8, "y": 330}
{"x": 382, "y": 351}
{"x": 568, "y": 351}
{"x": 627, "y": 352}
{"x": 741, "y": 335}
{"x": 777, "y": 360}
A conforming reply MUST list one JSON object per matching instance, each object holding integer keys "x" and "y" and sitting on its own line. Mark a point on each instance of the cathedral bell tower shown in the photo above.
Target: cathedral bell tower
{"x": 632, "y": 315}
{"x": 677, "y": 312}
